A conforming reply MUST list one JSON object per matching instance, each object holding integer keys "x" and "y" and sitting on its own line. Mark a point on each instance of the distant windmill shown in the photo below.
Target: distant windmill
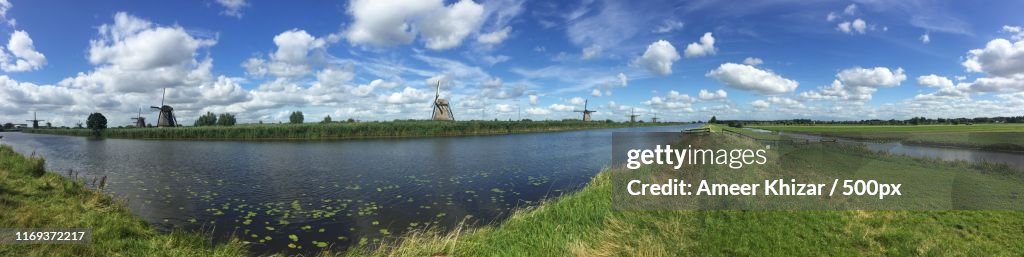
{"x": 166, "y": 118}
{"x": 442, "y": 111}
{"x": 79, "y": 124}
{"x": 586, "y": 112}
{"x": 633, "y": 115}
{"x": 35, "y": 121}
{"x": 140, "y": 122}
{"x": 655, "y": 118}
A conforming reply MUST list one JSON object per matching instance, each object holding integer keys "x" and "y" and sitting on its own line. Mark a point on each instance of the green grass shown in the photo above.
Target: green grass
{"x": 336, "y": 130}
{"x": 30, "y": 197}
{"x": 584, "y": 223}
{"x": 1008, "y": 137}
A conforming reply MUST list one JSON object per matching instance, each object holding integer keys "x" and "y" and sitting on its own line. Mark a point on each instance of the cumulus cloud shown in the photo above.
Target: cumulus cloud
{"x": 933, "y": 80}
{"x": 706, "y": 46}
{"x": 1000, "y": 57}
{"x": 533, "y": 99}
{"x": 857, "y": 26}
{"x": 709, "y": 96}
{"x": 760, "y": 104}
{"x": 926, "y": 38}
{"x": 857, "y": 84}
{"x": 1016, "y": 32}
{"x": 750, "y": 78}
{"x": 673, "y": 100}
{"x": 395, "y": 22}
{"x": 753, "y": 61}
{"x": 659, "y": 57}
{"x": 5, "y": 6}
{"x": 297, "y": 52}
{"x": 232, "y": 7}
{"x": 850, "y": 9}
{"x": 21, "y": 54}
{"x": 623, "y": 80}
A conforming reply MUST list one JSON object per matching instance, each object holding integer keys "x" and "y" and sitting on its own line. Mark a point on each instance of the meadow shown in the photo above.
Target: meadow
{"x": 345, "y": 130}
{"x": 1006, "y": 137}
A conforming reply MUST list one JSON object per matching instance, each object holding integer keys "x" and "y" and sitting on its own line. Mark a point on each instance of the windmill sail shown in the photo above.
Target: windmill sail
{"x": 166, "y": 117}
{"x": 442, "y": 111}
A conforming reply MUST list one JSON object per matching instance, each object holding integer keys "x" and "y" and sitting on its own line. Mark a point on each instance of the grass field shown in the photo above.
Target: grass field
{"x": 1008, "y": 137}
{"x": 337, "y": 130}
{"x": 30, "y": 197}
{"x": 585, "y": 224}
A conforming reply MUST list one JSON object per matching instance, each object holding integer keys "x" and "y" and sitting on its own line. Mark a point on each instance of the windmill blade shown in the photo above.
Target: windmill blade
{"x": 162, "y": 96}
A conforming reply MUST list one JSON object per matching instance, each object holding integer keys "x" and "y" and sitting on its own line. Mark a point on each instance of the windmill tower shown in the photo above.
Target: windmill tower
{"x": 442, "y": 111}
{"x": 140, "y": 122}
{"x": 655, "y": 118}
{"x": 166, "y": 118}
{"x": 633, "y": 115}
{"x": 586, "y": 112}
{"x": 35, "y": 120}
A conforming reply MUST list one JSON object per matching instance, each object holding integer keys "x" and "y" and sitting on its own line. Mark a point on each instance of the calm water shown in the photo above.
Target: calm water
{"x": 330, "y": 192}
{"x": 1015, "y": 160}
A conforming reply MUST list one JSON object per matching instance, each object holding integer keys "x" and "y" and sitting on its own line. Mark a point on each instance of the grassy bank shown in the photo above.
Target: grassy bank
{"x": 584, "y": 223}
{"x": 1007, "y": 137}
{"x": 346, "y": 130}
{"x": 30, "y": 197}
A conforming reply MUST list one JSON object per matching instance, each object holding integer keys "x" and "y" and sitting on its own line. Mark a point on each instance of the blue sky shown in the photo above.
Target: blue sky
{"x": 378, "y": 60}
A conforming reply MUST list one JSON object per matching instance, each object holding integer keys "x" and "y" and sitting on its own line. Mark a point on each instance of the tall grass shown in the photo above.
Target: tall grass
{"x": 345, "y": 130}
{"x": 30, "y": 197}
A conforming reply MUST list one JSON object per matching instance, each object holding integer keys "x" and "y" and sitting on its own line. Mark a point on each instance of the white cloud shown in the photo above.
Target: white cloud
{"x": 850, "y": 9}
{"x": 232, "y": 7}
{"x": 709, "y": 96}
{"x": 561, "y": 108}
{"x": 659, "y": 57}
{"x": 595, "y": 92}
{"x": 706, "y": 46}
{"x": 334, "y": 77}
{"x": 5, "y": 6}
{"x": 577, "y": 100}
{"x": 23, "y": 55}
{"x": 673, "y": 100}
{"x": 408, "y": 96}
{"x": 668, "y": 25}
{"x": 760, "y": 104}
{"x": 831, "y": 16}
{"x": 873, "y": 77}
{"x": 1000, "y": 57}
{"x": 623, "y": 80}
{"x": 858, "y": 26}
{"x": 746, "y": 77}
{"x": 1016, "y": 32}
{"x": 753, "y": 61}
{"x": 534, "y": 99}
{"x": 537, "y": 111}
{"x": 395, "y": 22}
{"x": 933, "y": 80}
{"x": 494, "y": 38}
{"x": 495, "y": 59}
{"x": 857, "y": 84}
{"x": 591, "y": 52}
{"x": 926, "y": 38}
{"x": 297, "y": 52}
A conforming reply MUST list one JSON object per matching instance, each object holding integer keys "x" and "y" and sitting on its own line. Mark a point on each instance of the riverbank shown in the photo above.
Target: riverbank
{"x": 31, "y": 197}
{"x": 1000, "y": 137}
{"x": 584, "y": 223}
{"x": 346, "y": 130}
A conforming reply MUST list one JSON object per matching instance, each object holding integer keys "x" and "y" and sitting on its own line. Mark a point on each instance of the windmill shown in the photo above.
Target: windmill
{"x": 585, "y": 111}
{"x": 140, "y": 122}
{"x": 35, "y": 121}
{"x": 655, "y": 118}
{"x": 633, "y": 115}
{"x": 166, "y": 117}
{"x": 442, "y": 111}
{"x": 79, "y": 124}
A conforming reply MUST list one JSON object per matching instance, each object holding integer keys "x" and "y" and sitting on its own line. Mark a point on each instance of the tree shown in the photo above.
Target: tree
{"x": 713, "y": 120}
{"x": 350, "y": 120}
{"x": 295, "y": 118}
{"x": 8, "y": 126}
{"x": 226, "y": 119}
{"x": 96, "y": 122}
{"x": 326, "y": 119}
{"x": 208, "y": 119}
